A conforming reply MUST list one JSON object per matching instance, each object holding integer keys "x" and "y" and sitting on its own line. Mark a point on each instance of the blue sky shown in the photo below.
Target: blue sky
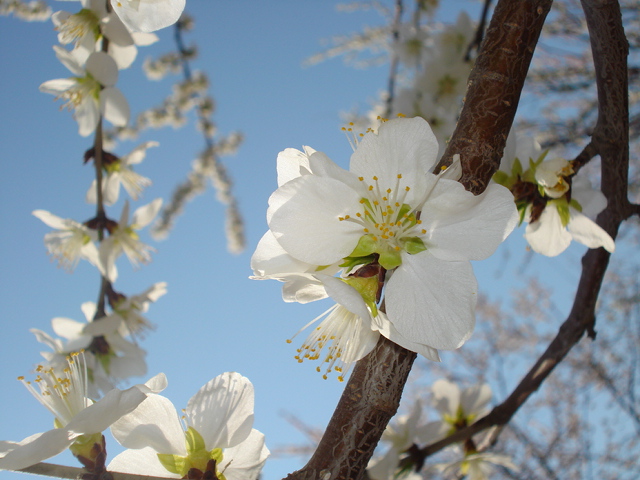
{"x": 213, "y": 319}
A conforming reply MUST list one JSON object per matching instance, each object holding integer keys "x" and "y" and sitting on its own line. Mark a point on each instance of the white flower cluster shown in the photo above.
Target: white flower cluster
{"x": 33, "y": 11}
{"x": 434, "y": 66}
{"x": 557, "y": 206}
{"x": 457, "y": 408}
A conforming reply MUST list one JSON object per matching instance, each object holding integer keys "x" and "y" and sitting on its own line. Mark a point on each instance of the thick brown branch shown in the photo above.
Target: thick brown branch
{"x": 367, "y": 404}
{"x": 494, "y": 90}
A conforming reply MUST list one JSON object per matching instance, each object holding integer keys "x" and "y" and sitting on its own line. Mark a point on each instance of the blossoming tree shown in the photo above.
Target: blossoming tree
{"x": 432, "y": 183}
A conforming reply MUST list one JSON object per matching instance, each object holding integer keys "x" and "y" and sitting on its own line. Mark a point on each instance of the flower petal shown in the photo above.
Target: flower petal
{"x": 142, "y": 462}
{"x": 154, "y": 424}
{"x": 546, "y": 235}
{"x": 103, "y": 68}
{"x": 114, "y": 106}
{"x": 291, "y": 163}
{"x": 463, "y": 226}
{"x": 245, "y": 460}
{"x": 432, "y": 302}
{"x": 589, "y": 233}
{"x": 474, "y": 400}
{"x": 222, "y": 410}
{"x": 306, "y": 222}
{"x": 148, "y": 15}
{"x": 36, "y": 448}
{"x": 404, "y": 146}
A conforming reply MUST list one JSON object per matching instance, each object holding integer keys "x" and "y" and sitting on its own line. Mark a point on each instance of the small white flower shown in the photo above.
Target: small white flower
{"x": 217, "y": 426}
{"x": 84, "y": 92}
{"x": 460, "y": 408}
{"x": 129, "y": 309}
{"x": 71, "y": 242}
{"x": 556, "y": 210}
{"x": 79, "y": 421}
{"x": 119, "y": 172}
{"x": 124, "y": 238}
{"x": 148, "y": 15}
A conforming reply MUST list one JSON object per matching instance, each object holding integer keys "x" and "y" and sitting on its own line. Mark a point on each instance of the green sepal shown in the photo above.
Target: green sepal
{"x": 83, "y": 445}
{"x": 575, "y": 204}
{"x": 105, "y": 360}
{"x": 350, "y": 262}
{"x": 322, "y": 267}
{"x": 390, "y": 258}
{"x": 541, "y": 191}
{"x": 563, "y": 210}
{"x": 194, "y": 441}
{"x": 404, "y": 209}
{"x": 367, "y": 245}
{"x": 516, "y": 169}
{"x": 367, "y": 287}
{"x": 501, "y": 178}
{"x": 414, "y": 245}
{"x": 174, "y": 463}
{"x": 522, "y": 211}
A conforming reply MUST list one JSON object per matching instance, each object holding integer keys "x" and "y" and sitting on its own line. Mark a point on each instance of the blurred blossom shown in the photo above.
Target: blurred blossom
{"x": 90, "y": 93}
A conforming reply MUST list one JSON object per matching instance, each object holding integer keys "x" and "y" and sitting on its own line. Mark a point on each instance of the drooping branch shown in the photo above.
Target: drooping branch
{"x": 610, "y": 140}
{"x": 373, "y": 392}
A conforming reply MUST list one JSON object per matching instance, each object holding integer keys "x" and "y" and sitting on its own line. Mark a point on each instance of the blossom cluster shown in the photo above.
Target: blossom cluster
{"x": 457, "y": 408}
{"x": 77, "y": 383}
{"x": 557, "y": 206}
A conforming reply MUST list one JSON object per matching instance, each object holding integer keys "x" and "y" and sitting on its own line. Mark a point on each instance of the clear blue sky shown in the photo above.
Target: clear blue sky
{"x": 214, "y": 319}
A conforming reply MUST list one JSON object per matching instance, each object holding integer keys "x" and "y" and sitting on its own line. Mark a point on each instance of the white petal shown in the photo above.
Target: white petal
{"x": 302, "y": 288}
{"x": 474, "y": 400}
{"x": 345, "y": 295}
{"x": 67, "y": 328}
{"x": 446, "y": 397}
{"x": 245, "y": 460}
{"x": 404, "y": 146}
{"x": 222, "y": 410}
{"x": 432, "y": 302}
{"x": 51, "y": 220}
{"x": 113, "y": 28}
{"x": 114, "y": 106}
{"x": 149, "y": 15}
{"x": 463, "y": 226}
{"x": 142, "y": 462}
{"x": 292, "y": 163}
{"x": 382, "y": 324}
{"x": 307, "y": 223}
{"x": 589, "y": 233}
{"x": 123, "y": 56}
{"x": 592, "y": 201}
{"x": 103, "y": 68}
{"x": 99, "y": 416}
{"x": 87, "y": 114}
{"x": 36, "y": 448}
{"x": 57, "y": 86}
{"x": 155, "y": 424}
{"x": 271, "y": 259}
{"x": 144, "y": 39}
{"x": 69, "y": 60}
{"x": 323, "y": 166}
{"x": 144, "y": 215}
{"x": 546, "y": 235}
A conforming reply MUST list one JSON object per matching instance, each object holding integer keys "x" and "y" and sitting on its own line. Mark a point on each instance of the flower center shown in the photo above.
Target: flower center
{"x": 389, "y": 225}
